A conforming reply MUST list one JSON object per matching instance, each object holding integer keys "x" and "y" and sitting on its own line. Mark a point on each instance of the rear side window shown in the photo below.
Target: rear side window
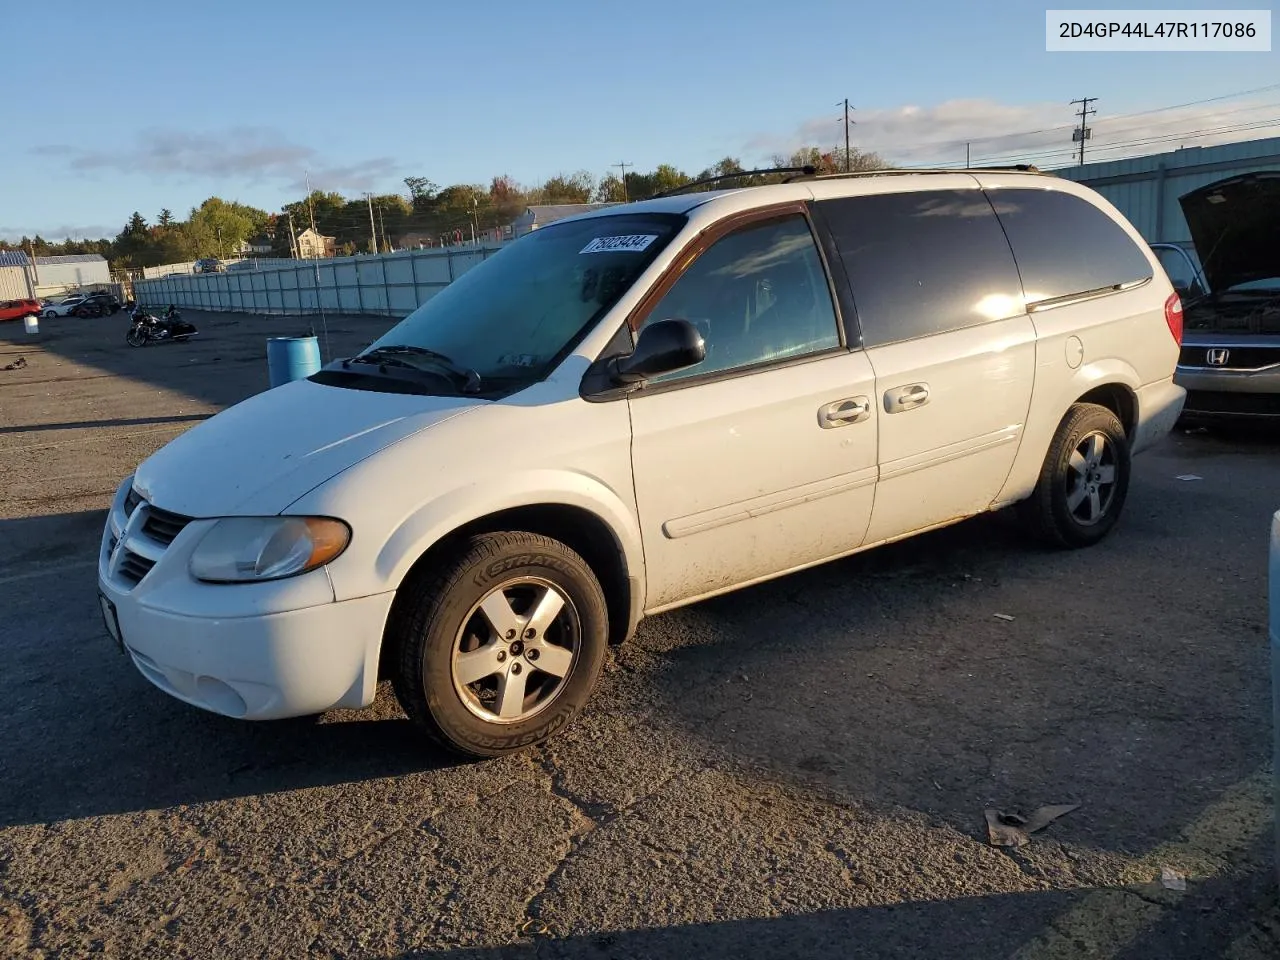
{"x": 923, "y": 263}
{"x": 1065, "y": 245}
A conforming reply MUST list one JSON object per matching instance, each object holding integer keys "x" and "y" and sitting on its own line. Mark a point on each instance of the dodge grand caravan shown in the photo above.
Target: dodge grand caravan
{"x": 632, "y": 410}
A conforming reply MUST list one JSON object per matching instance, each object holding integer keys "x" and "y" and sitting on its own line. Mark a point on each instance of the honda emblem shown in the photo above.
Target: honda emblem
{"x": 1217, "y": 357}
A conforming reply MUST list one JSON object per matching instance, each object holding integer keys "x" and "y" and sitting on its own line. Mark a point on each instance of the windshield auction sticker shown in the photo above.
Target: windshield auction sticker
{"x": 1131, "y": 31}
{"x": 632, "y": 243}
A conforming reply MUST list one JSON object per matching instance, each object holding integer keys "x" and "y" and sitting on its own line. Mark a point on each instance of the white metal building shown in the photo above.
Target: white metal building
{"x": 16, "y": 282}
{"x": 77, "y": 270}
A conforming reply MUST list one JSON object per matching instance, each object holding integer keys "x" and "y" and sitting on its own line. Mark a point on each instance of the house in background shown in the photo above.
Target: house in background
{"x": 315, "y": 246}
{"x": 540, "y": 215}
{"x": 257, "y": 247}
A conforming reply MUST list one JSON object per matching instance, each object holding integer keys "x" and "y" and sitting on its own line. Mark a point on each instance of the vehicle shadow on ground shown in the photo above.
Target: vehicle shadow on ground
{"x": 969, "y": 668}
{"x": 83, "y": 734}
{"x": 117, "y": 422}
{"x": 236, "y": 344}
{"x": 1125, "y": 924}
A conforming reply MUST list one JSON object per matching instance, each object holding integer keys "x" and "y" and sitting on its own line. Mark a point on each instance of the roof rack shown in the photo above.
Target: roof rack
{"x": 906, "y": 171}
{"x": 806, "y": 170}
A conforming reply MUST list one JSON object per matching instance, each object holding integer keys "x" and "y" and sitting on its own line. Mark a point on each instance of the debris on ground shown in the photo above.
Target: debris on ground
{"x": 1003, "y": 616}
{"x": 1013, "y": 830}
{"x": 1188, "y": 476}
{"x": 1171, "y": 879}
{"x": 17, "y": 364}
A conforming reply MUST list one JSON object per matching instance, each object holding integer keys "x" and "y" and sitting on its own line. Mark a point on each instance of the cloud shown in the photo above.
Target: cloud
{"x": 58, "y": 233}
{"x": 1040, "y": 133}
{"x": 244, "y": 154}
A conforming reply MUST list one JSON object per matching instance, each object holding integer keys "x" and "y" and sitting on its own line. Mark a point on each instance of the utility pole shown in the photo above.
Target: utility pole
{"x": 848, "y": 153}
{"x": 1083, "y": 132}
{"x": 966, "y": 156}
{"x": 311, "y": 211}
{"x": 373, "y": 231}
{"x": 293, "y": 239}
{"x": 382, "y": 225}
{"x": 624, "y": 178}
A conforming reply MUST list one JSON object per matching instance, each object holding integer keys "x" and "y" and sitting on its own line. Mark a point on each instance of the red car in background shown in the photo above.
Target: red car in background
{"x": 17, "y": 309}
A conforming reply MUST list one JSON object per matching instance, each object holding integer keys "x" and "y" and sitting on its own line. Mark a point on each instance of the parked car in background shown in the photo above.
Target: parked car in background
{"x": 208, "y": 265}
{"x": 1230, "y": 358}
{"x": 98, "y": 304}
{"x": 632, "y": 410}
{"x": 64, "y": 308}
{"x": 17, "y": 309}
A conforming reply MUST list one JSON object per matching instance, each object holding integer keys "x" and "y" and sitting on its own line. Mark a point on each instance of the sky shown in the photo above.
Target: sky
{"x": 247, "y": 100}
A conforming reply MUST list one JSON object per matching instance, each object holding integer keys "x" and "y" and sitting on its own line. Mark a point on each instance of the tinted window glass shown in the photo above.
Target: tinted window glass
{"x": 924, "y": 263}
{"x": 758, "y": 294}
{"x": 1066, "y": 245}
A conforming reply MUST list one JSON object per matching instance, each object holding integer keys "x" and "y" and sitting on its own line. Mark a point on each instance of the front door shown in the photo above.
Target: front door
{"x": 762, "y": 458}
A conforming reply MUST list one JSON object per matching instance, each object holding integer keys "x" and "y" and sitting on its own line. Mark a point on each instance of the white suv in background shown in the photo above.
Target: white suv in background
{"x": 632, "y": 410}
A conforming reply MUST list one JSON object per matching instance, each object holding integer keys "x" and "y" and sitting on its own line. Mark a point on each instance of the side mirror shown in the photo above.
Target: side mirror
{"x": 663, "y": 347}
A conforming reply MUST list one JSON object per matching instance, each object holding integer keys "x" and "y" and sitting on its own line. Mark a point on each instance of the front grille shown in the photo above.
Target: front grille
{"x": 133, "y": 567}
{"x": 144, "y": 535}
{"x": 1238, "y": 358}
{"x": 1224, "y": 402}
{"x": 163, "y": 526}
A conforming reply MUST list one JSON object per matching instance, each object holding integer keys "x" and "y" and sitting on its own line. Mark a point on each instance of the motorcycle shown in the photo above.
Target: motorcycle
{"x": 148, "y": 328}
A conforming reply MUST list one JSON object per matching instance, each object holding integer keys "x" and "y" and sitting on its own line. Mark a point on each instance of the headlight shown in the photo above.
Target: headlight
{"x": 245, "y": 549}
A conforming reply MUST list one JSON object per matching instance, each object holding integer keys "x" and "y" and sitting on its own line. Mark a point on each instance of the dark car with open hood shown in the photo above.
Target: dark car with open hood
{"x": 1230, "y": 359}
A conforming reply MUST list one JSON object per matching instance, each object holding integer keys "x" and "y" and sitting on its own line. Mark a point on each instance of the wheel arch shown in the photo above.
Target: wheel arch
{"x": 1111, "y": 383}
{"x": 589, "y": 520}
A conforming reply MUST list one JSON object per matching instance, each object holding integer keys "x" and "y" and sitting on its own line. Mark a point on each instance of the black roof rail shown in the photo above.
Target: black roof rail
{"x": 906, "y": 171}
{"x": 686, "y": 187}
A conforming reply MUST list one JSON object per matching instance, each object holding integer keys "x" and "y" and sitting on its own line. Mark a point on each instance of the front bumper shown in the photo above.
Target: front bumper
{"x": 257, "y": 651}
{"x": 1230, "y": 394}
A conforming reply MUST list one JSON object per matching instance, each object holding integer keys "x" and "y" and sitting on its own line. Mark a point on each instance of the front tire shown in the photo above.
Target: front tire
{"x": 499, "y": 646}
{"x": 1084, "y": 480}
{"x": 135, "y": 337}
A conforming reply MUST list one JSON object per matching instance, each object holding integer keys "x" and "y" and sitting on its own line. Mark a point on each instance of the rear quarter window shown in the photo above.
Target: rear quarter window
{"x": 1065, "y": 245}
{"x": 924, "y": 262}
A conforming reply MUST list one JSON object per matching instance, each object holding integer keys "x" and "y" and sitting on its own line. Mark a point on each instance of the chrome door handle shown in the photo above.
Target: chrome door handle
{"x": 840, "y": 413}
{"x": 906, "y": 398}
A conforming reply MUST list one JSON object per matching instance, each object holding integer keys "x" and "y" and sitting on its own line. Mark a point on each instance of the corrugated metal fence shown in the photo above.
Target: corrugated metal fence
{"x": 1146, "y": 189}
{"x": 389, "y": 284}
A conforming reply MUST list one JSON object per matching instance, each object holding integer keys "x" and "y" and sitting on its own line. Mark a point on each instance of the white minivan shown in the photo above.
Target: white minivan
{"x": 632, "y": 410}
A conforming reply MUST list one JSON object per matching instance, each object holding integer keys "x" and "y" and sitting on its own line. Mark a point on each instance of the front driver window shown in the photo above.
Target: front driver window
{"x": 757, "y": 295}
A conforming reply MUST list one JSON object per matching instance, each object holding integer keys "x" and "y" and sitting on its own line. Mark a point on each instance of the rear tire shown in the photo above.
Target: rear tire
{"x": 499, "y": 646}
{"x": 1084, "y": 481}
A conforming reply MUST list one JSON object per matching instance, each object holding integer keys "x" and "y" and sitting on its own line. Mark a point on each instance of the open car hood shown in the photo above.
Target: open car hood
{"x": 1235, "y": 225}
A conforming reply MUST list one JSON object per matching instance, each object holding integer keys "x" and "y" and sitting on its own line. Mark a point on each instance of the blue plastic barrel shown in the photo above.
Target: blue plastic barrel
{"x": 292, "y": 358}
{"x": 1275, "y": 674}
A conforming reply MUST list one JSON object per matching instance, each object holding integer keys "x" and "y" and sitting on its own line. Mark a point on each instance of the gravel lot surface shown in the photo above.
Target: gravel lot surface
{"x": 799, "y": 769}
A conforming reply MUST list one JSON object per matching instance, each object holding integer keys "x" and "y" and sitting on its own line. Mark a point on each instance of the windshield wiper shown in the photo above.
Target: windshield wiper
{"x": 469, "y": 379}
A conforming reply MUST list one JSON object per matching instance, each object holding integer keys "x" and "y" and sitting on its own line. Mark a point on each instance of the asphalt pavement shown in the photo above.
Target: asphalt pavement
{"x": 798, "y": 769}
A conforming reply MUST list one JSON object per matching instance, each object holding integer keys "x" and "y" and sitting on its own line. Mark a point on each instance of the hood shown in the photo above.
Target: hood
{"x": 265, "y": 452}
{"x": 1235, "y": 225}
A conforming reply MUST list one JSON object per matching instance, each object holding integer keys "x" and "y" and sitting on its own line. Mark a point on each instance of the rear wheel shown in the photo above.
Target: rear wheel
{"x": 498, "y": 647}
{"x": 1084, "y": 480}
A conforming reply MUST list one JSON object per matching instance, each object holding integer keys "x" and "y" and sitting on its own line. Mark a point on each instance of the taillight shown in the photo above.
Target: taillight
{"x": 1173, "y": 317}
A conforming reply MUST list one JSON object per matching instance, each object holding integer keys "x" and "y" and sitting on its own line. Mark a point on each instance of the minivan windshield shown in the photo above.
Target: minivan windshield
{"x": 509, "y": 320}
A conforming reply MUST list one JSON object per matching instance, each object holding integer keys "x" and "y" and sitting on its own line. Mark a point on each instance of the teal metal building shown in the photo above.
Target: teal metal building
{"x": 1146, "y": 189}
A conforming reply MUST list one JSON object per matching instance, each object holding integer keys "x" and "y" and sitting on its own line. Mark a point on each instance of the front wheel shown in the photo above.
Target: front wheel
{"x": 135, "y": 337}
{"x": 500, "y": 646}
{"x": 1084, "y": 481}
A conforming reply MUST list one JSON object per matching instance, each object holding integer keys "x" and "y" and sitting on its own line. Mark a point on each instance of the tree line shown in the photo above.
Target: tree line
{"x": 427, "y": 213}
